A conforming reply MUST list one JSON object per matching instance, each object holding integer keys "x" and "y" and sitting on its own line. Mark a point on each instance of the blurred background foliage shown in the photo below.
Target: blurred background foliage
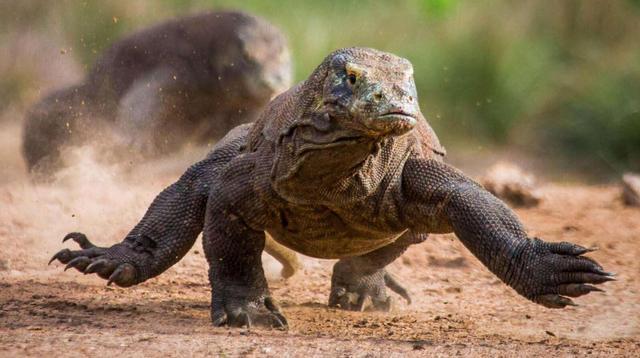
{"x": 557, "y": 80}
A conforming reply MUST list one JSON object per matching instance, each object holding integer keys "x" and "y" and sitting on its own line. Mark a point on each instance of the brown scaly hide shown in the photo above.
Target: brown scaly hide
{"x": 336, "y": 167}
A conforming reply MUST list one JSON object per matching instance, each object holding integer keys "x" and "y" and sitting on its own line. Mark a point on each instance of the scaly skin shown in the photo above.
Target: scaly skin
{"x": 342, "y": 166}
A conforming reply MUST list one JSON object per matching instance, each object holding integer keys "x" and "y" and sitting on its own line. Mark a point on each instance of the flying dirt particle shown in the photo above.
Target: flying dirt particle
{"x": 550, "y": 333}
{"x": 115, "y": 20}
{"x": 63, "y": 51}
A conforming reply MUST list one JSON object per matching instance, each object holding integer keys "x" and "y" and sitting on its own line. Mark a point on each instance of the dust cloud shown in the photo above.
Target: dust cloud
{"x": 103, "y": 199}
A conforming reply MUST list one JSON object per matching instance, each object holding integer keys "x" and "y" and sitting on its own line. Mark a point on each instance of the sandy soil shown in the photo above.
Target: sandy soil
{"x": 459, "y": 307}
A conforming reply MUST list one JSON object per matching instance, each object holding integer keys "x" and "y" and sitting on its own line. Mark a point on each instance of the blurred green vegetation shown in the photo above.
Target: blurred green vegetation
{"x": 560, "y": 79}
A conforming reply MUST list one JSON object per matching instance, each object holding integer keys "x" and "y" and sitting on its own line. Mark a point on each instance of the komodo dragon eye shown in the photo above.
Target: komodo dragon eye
{"x": 354, "y": 73}
{"x": 352, "y": 78}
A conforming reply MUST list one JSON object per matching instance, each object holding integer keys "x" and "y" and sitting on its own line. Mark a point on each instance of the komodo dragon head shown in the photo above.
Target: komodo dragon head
{"x": 370, "y": 91}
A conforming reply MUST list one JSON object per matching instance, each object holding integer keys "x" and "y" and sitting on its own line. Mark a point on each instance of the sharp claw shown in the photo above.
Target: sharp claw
{"x": 554, "y": 301}
{"x": 56, "y": 256}
{"x": 243, "y": 319}
{"x": 360, "y": 303}
{"x": 75, "y": 261}
{"x": 407, "y": 298}
{"x": 577, "y": 289}
{"x": 59, "y": 255}
{"x": 219, "y": 319}
{"x": 594, "y": 288}
{"x": 281, "y": 320}
{"x": 124, "y": 275}
{"x": 271, "y": 305}
{"x": 95, "y": 266}
{"x": 115, "y": 275}
{"x": 585, "y": 250}
{"x": 79, "y": 238}
{"x": 606, "y": 277}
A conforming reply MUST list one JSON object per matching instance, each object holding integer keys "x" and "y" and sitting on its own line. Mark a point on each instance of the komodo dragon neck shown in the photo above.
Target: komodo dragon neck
{"x": 316, "y": 161}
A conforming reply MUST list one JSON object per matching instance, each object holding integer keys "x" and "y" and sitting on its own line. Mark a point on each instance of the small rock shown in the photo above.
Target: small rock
{"x": 550, "y": 333}
{"x": 631, "y": 189}
{"x": 510, "y": 183}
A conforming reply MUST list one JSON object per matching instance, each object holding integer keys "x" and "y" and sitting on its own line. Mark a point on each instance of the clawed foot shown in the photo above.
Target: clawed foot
{"x": 239, "y": 312}
{"x": 351, "y": 289}
{"x": 100, "y": 260}
{"x": 559, "y": 270}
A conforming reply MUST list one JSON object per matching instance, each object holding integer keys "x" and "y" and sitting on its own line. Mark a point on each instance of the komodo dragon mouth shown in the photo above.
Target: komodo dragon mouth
{"x": 395, "y": 122}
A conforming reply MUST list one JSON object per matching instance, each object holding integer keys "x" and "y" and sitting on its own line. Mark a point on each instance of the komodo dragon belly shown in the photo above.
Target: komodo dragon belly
{"x": 321, "y": 233}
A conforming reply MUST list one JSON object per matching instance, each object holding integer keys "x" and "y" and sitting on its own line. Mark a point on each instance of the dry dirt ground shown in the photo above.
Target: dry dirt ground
{"x": 459, "y": 307}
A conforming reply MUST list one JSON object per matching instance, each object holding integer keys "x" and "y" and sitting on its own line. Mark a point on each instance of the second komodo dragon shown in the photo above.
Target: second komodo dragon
{"x": 343, "y": 166}
{"x": 186, "y": 80}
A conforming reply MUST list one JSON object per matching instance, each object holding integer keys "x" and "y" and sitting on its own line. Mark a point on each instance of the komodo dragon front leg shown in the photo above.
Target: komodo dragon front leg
{"x": 233, "y": 241}
{"x": 163, "y": 236}
{"x": 439, "y": 198}
{"x": 168, "y": 229}
{"x": 357, "y": 278}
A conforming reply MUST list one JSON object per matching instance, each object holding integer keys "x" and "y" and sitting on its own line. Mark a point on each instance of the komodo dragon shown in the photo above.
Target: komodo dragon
{"x": 342, "y": 166}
